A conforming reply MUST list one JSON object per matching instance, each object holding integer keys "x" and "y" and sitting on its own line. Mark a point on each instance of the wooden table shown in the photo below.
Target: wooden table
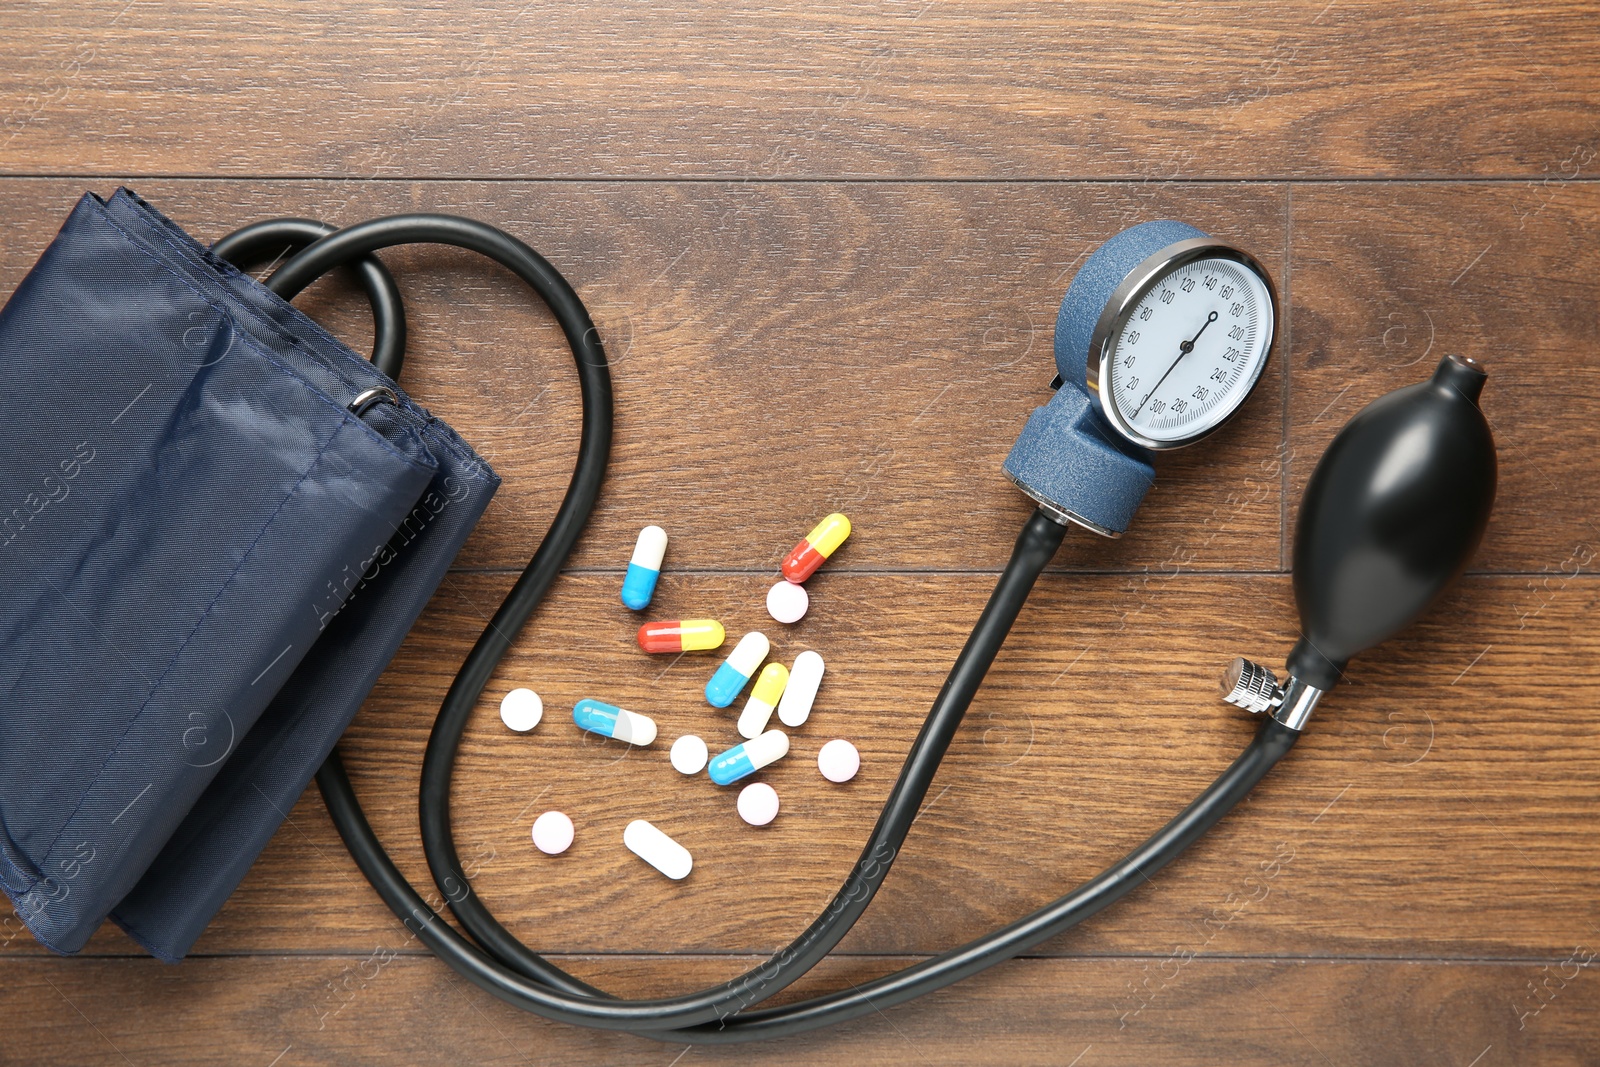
{"x": 825, "y": 249}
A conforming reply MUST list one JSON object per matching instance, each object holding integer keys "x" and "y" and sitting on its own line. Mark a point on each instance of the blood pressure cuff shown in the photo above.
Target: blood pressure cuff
{"x": 206, "y": 560}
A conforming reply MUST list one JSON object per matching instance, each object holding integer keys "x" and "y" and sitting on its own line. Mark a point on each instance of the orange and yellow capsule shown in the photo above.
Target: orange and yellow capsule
{"x": 681, "y": 635}
{"x": 804, "y": 559}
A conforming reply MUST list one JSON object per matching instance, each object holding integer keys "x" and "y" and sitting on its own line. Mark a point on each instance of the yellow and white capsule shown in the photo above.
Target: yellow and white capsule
{"x": 764, "y": 696}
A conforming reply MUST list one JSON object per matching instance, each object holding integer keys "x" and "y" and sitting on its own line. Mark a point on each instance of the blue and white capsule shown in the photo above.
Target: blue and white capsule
{"x": 741, "y": 761}
{"x": 736, "y": 670}
{"x": 609, "y": 721}
{"x": 639, "y": 584}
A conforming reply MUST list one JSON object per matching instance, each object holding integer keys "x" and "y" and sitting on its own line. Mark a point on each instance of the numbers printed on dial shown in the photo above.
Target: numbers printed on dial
{"x": 1201, "y": 334}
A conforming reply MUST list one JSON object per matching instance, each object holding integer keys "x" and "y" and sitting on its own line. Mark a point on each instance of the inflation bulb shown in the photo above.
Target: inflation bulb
{"x": 1393, "y": 512}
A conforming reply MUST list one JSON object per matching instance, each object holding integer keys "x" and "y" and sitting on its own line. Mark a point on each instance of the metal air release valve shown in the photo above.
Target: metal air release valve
{"x": 1250, "y": 686}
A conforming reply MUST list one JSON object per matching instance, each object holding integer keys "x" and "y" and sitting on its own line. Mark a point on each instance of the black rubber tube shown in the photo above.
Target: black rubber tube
{"x": 249, "y": 245}
{"x": 511, "y": 971}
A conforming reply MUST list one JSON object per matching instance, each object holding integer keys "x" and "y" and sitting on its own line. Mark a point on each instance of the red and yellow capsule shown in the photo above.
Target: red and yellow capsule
{"x": 804, "y": 559}
{"x": 681, "y": 635}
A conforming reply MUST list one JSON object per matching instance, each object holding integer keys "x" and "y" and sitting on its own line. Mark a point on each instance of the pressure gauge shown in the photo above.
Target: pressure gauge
{"x": 1182, "y": 342}
{"x": 1162, "y": 335}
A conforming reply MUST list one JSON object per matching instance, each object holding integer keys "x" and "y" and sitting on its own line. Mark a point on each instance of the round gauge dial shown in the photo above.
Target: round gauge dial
{"x": 1183, "y": 343}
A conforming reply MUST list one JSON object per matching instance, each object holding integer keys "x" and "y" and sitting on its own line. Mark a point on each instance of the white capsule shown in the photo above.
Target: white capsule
{"x": 804, "y": 678}
{"x": 657, "y": 849}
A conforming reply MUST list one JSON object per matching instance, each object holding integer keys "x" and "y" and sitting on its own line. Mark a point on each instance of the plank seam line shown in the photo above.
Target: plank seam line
{"x": 741, "y": 181}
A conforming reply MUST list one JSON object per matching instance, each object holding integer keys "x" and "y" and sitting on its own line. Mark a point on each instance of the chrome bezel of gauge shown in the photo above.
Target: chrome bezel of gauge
{"x": 1140, "y": 281}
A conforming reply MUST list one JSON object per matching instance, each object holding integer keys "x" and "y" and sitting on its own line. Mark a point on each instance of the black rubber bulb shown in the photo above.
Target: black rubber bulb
{"x": 1393, "y": 512}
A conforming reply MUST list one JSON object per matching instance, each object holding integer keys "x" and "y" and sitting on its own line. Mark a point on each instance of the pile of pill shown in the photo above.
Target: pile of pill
{"x": 790, "y": 692}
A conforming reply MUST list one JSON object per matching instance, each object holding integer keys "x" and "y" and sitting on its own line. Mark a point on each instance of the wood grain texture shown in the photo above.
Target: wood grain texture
{"x": 379, "y": 1008}
{"x": 902, "y": 88}
{"x": 825, "y": 248}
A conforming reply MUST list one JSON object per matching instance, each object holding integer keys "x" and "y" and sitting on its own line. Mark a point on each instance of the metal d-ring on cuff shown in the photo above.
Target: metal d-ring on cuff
{"x": 377, "y": 394}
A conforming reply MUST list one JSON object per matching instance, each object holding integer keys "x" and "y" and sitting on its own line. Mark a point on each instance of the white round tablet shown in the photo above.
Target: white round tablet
{"x": 552, "y": 833}
{"x": 787, "y": 602}
{"x": 758, "y": 804}
{"x": 689, "y": 754}
{"x": 838, "y": 761}
{"x": 521, "y": 710}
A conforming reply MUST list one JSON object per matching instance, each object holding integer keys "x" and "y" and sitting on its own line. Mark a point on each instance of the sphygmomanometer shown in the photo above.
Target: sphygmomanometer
{"x": 219, "y": 523}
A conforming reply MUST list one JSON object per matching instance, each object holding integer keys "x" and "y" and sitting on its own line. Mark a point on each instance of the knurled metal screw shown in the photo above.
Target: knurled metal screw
{"x": 1250, "y": 686}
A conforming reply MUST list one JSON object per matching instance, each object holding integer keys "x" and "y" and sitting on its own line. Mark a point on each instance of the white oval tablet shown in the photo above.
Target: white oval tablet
{"x": 657, "y": 849}
{"x": 804, "y": 678}
{"x": 689, "y": 754}
{"x": 552, "y": 833}
{"x": 787, "y": 602}
{"x": 838, "y": 761}
{"x": 521, "y": 710}
{"x": 758, "y": 804}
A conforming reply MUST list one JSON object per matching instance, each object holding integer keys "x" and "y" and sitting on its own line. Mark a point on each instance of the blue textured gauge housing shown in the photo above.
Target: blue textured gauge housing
{"x": 1067, "y": 457}
{"x": 1094, "y": 283}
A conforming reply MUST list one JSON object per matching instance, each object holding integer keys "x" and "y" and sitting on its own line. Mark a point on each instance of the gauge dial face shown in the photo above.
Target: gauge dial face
{"x": 1189, "y": 351}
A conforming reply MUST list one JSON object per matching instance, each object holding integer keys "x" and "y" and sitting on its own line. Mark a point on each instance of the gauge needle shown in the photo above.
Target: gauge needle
{"x": 1183, "y": 350}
